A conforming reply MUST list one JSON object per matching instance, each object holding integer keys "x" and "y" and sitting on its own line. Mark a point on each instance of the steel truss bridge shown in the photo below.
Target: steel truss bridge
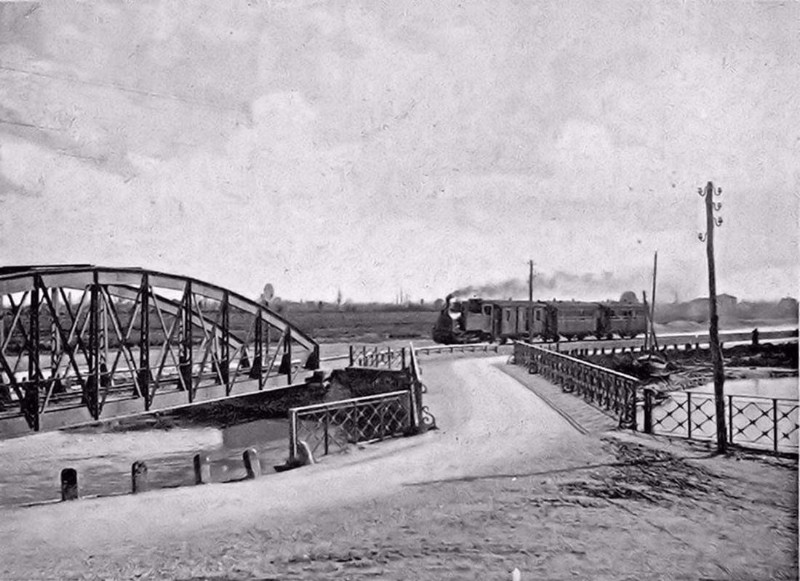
{"x": 84, "y": 343}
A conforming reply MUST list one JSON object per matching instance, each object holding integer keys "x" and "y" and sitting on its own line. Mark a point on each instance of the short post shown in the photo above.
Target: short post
{"x": 202, "y": 469}
{"x": 648, "y": 410}
{"x": 69, "y": 484}
{"x": 251, "y": 464}
{"x": 139, "y": 479}
{"x": 352, "y": 356}
{"x": 754, "y": 337}
{"x": 403, "y": 354}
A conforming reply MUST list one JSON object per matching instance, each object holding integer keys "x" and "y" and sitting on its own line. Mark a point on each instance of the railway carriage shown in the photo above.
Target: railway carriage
{"x": 625, "y": 319}
{"x": 474, "y": 320}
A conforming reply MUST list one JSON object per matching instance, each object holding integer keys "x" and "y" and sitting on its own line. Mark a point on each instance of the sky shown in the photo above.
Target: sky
{"x": 375, "y": 147}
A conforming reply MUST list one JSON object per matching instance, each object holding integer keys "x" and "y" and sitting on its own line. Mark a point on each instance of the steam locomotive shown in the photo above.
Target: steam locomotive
{"x": 476, "y": 320}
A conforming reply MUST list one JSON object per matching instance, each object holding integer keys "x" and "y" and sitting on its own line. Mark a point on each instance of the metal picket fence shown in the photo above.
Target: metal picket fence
{"x": 610, "y": 390}
{"x": 753, "y": 422}
{"x": 385, "y": 358}
{"x": 332, "y": 427}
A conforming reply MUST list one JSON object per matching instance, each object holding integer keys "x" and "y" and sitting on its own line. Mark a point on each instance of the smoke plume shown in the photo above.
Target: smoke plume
{"x": 560, "y": 285}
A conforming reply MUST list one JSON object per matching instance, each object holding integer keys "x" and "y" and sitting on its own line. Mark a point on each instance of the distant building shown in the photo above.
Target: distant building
{"x": 788, "y": 306}
{"x": 698, "y": 308}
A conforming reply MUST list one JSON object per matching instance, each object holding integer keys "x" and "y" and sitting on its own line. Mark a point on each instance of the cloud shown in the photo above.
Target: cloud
{"x": 373, "y": 146}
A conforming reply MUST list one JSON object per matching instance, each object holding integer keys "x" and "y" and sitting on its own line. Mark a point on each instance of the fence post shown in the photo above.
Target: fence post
{"x": 730, "y": 419}
{"x": 403, "y": 353}
{"x": 775, "y": 424}
{"x": 356, "y": 429}
{"x": 352, "y": 357}
{"x": 417, "y": 387}
{"x": 326, "y": 422}
{"x": 292, "y": 436}
{"x": 382, "y": 415}
{"x": 648, "y": 410}
{"x": 689, "y": 414}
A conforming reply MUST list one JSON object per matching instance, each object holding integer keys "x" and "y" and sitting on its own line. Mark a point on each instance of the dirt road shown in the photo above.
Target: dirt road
{"x": 507, "y": 482}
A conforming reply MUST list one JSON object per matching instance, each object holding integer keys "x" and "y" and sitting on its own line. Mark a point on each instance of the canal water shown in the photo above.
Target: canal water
{"x": 777, "y": 387}
{"x": 30, "y": 467}
{"x": 751, "y": 408}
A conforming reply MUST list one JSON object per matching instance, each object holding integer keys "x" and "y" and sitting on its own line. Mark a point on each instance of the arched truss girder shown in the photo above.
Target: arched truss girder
{"x": 110, "y": 333}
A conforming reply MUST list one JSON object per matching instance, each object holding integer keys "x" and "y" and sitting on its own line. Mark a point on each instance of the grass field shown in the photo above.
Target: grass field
{"x": 366, "y": 326}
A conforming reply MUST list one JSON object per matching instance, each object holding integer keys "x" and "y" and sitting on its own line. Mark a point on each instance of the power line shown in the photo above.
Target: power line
{"x": 121, "y": 88}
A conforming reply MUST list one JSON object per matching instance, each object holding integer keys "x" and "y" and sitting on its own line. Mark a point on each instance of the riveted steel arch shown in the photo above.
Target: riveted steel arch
{"x": 91, "y": 343}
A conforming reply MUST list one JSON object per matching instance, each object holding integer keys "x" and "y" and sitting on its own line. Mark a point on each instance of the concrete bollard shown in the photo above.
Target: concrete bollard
{"x": 251, "y": 463}
{"x": 202, "y": 469}
{"x": 69, "y": 484}
{"x": 139, "y": 479}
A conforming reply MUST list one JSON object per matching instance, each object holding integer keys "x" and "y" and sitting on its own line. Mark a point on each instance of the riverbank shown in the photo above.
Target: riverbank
{"x": 684, "y": 369}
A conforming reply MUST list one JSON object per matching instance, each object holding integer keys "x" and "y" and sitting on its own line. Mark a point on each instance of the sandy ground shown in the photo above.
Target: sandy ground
{"x": 506, "y": 482}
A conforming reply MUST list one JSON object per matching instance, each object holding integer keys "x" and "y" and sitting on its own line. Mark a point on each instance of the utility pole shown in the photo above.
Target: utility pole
{"x": 716, "y": 352}
{"x": 654, "y": 340}
{"x": 530, "y": 301}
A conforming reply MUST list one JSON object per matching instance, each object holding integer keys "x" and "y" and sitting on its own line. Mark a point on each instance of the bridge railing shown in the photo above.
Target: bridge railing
{"x": 465, "y": 348}
{"x": 610, "y": 390}
{"x": 332, "y": 427}
{"x": 386, "y": 357}
{"x": 753, "y": 422}
{"x": 682, "y": 341}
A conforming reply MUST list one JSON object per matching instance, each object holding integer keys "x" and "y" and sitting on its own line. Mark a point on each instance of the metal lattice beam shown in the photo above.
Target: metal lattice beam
{"x": 87, "y": 343}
